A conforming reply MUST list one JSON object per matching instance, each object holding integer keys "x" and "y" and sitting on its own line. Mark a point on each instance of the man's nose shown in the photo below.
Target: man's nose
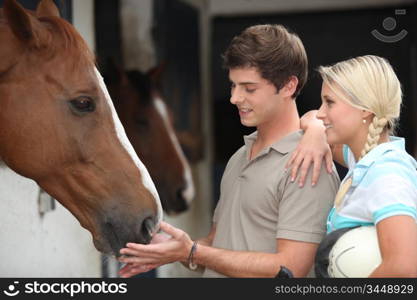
{"x": 236, "y": 97}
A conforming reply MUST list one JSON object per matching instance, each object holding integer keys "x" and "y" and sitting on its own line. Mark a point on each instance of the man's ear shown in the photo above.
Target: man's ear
{"x": 290, "y": 87}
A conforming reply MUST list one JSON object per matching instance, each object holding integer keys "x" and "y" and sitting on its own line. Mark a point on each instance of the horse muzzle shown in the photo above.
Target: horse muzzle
{"x": 116, "y": 232}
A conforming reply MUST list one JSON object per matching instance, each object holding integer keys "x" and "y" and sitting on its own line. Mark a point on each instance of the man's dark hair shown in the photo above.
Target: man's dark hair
{"x": 274, "y": 51}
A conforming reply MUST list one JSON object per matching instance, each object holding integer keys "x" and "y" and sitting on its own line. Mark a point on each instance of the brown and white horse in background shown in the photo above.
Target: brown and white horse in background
{"x": 147, "y": 121}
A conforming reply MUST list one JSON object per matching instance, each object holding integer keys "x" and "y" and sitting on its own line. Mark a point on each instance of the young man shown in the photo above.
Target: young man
{"x": 263, "y": 220}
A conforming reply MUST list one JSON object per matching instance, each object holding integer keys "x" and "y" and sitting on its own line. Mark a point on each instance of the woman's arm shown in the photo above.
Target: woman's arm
{"x": 313, "y": 149}
{"x": 397, "y": 238}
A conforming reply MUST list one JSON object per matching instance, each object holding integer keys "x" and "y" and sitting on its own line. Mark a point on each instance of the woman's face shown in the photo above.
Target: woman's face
{"x": 343, "y": 121}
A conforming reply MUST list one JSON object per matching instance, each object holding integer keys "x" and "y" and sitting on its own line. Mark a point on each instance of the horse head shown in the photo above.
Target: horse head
{"x": 58, "y": 126}
{"x": 148, "y": 124}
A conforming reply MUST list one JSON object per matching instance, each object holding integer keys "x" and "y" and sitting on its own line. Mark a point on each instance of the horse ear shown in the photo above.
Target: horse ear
{"x": 155, "y": 74}
{"x": 47, "y": 8}
{"x": 113, "y": 72}
{"x": 24, "y": 26}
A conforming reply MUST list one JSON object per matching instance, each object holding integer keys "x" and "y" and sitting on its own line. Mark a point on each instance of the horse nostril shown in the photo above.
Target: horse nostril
{"x": 181, "y": 203}
{"x": 180, "y": 194}
{"x": 186, "y": 193}
{"x": 147, "y": 228}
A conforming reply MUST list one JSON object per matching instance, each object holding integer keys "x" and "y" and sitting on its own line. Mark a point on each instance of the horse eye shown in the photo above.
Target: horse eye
{"x": 82, "y": 105}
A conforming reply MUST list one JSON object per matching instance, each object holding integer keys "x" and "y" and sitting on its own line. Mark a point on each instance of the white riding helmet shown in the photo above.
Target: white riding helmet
{"x": 355, "y": 254}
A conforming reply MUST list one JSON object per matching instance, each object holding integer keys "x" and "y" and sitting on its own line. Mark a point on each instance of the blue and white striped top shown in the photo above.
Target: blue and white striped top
{"x": 384, "y": 184}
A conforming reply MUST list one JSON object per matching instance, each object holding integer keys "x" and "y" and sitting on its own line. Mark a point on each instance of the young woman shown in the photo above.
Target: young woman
{"x": 361, "y": 100}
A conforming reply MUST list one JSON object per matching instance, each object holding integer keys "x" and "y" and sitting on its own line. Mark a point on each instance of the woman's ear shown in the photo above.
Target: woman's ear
{"x": 367, "y": 115}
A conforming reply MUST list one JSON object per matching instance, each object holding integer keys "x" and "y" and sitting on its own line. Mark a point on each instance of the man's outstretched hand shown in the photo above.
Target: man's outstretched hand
{"x": 163, "y": 249}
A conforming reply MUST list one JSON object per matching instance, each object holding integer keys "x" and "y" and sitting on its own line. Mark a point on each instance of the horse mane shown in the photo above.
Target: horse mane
{"x": 71, "y": 41}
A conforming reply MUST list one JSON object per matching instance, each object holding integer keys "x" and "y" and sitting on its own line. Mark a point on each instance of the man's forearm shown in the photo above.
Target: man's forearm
{"x": 206, "y": 241}
{"x": 239, "y": 263}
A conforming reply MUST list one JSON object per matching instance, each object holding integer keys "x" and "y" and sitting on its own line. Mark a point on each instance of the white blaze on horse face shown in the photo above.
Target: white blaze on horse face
{"x": 189, "y": 192}
{"x": 121, "y": 134}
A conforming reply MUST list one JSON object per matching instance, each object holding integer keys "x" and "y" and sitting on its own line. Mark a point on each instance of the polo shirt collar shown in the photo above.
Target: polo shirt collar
{"x": 394, "y": 143}
{"x": 362, "y": 166}
{"x": 283, "y": 146}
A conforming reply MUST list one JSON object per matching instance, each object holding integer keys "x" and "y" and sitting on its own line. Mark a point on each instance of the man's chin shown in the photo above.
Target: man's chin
{"x": 248, "y": 123}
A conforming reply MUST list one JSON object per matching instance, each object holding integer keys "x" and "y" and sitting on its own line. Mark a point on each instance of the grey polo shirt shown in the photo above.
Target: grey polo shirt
{"x": 258, "y": 203}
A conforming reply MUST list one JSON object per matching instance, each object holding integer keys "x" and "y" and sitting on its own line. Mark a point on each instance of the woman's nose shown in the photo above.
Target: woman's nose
{"x": 320, "y": 113}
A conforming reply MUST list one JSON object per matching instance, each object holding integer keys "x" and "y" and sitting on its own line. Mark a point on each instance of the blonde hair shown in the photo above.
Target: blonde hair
{"x": 369, "y": 83}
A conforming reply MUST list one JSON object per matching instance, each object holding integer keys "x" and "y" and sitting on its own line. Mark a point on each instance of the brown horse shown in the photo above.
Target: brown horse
{"x": 58, "y": 127}
{"x": 146, "y": 119}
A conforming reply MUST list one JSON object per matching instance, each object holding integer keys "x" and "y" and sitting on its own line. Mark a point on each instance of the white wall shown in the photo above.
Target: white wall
{"x": 137, "y": 46}
{"x": 83, "y": 20}
{"x": 54, "y": 245}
